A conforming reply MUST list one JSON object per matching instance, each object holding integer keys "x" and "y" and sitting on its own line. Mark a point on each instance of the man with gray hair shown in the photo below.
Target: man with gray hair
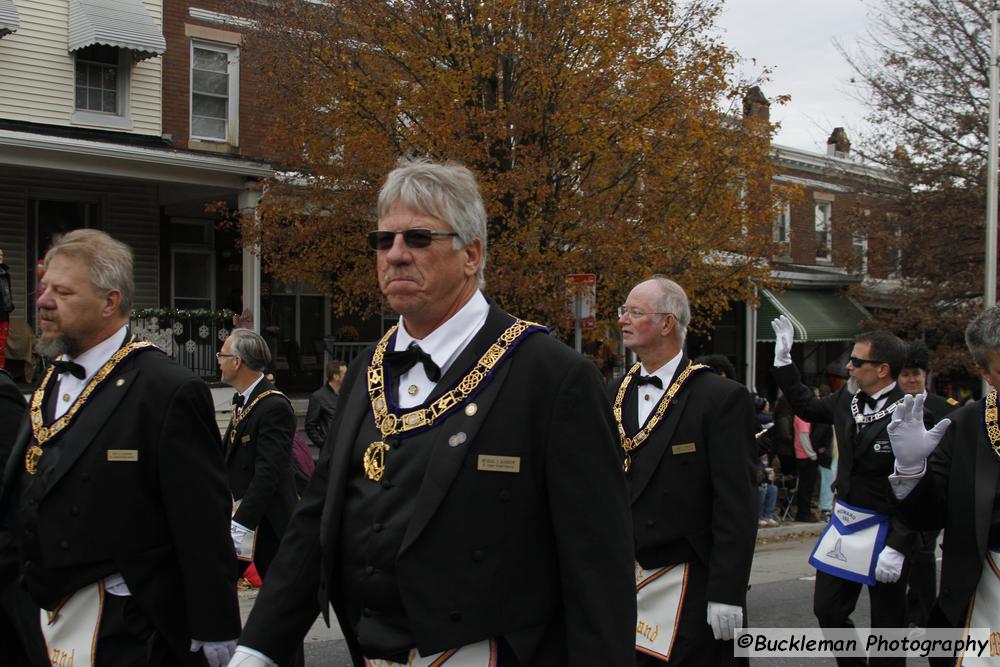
{"x": 690, "y": 461}
{"x": 469, "y": 506}
{"x": 947, "y": 477}
{"x": 115, "y": 490}
{"x": 258, "y": 450}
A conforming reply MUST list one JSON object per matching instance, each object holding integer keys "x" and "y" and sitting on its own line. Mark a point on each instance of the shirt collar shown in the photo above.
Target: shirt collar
{"x": 666, "y": 371}
{"x": 880, "y": 394}
{"x": 246, "y": 394}
{"x": 448, "y": 340}
{"x": 97, "y": 356}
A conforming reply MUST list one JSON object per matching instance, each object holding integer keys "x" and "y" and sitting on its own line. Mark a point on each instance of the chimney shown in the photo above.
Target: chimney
{"x": 838, "y": 145}
{"x": 756, "y": 105}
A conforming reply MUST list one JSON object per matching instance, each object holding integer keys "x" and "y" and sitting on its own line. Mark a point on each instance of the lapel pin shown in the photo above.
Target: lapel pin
{"x": 412, "y": 390}
{"x": 120, "y": 382}
{"x": 471, "y": 409}
{"x": 457, "y": 439}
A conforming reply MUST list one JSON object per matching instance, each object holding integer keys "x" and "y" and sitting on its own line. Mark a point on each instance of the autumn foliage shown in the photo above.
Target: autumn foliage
{"x": 608, "y": 138}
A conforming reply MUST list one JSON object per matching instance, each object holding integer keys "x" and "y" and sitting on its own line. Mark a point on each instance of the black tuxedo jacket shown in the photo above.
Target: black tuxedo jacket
{"x": 693, "y": 482}
{"x": 938, "y": 407}
{"x": 259, "y": 462}
{"x": 162, "y": 518}
{"x": 865, "y": 462}
{"x": 958, "y": 493}
{"x": 542, "y": 558}
{"x": 12, "y": 411}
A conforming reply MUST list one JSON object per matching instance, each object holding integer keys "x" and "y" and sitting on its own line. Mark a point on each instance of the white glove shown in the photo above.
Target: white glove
{"x": 245, "y": 657}
{"x": 216, "y": 653}
{"x": 784, "y": 334}
{"x": 889, "y": 566}
{"x": 724, "y": 619}
{"x": 911, "y": 442}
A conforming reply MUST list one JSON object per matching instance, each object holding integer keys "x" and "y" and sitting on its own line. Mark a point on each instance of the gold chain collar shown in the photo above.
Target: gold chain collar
{"x": 389, "y": 423}
{"x": 236, "y": 419}
{"x": 990, "y": 419}
{"x": 44, "y": 433}
{"x": 629, "y": 444}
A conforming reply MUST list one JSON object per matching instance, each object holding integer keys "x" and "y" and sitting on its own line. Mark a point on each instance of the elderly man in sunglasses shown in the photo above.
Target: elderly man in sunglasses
{"x": 863, "y": 544}
{"x": 469, "y": 507}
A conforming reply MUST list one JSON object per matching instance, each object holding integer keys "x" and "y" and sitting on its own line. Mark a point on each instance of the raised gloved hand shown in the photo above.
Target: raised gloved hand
{"x": 216, "y": 653}
{"x": 724, "y": 619}
{"x": 784, "y": 334}
{"x": 245, "y": 658}
{"x": 911, "y": 442}
{"x": 889, "y": 566}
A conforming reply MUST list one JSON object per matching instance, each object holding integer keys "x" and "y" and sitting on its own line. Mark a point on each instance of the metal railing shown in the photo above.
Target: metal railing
{"x": 190, "y": 337}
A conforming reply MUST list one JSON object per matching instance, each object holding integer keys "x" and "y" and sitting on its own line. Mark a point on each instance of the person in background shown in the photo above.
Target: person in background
{"x": 805, "y": 468}
{"x": 323, "y": 403}
{"x": 824, "y": 442}
{"x": 6, "y": 307}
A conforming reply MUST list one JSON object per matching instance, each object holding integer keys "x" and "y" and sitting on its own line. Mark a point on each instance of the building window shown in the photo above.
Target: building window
{"x": 896, "y": 249}
{"x": 859, "y": 243}
{"x": 824, "y": 244}
{"x": 99, "y": 79}
{"x": 782, "y": 230}
{"x": 214, "y": 92}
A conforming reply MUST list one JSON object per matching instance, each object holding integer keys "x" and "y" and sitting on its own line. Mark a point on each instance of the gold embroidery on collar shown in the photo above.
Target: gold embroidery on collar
{"x": 990, "y": 417}
{"x": 236, "y": 419}
{"x": 391, "y": 424}
{"x": 42, "y": 433}
{"x": 630, "y": 444}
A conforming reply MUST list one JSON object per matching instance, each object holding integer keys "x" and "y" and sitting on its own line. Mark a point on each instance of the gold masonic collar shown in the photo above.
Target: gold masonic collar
{"x": 42, "y": 434}
{"x": 990, "y": 419}
{"x": 630, "y": 444}
{"x": 237, "y": 419}
{"x": 390, "y": 424}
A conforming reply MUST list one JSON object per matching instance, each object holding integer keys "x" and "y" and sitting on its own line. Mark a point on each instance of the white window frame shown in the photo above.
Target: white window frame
{"x": 120, "y": 119}
{"x": 823, "y": 212}
{"x": 895, "y": 255}
{"x": 233, "y": 107}
{"x": 859, "y": 242}
{"x": 781, "y": 231}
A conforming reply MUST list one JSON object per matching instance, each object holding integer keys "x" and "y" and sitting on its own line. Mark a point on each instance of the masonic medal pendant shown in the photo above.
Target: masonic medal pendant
{"x": 374, "y": 460}
{"x": 31, "y": 458}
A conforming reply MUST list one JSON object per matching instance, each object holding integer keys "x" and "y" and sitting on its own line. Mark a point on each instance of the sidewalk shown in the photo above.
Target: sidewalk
{"x": 789, "y": 529}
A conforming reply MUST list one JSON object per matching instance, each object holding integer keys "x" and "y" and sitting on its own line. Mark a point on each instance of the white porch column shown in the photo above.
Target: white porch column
{"x": 247, "y": 202}
{"x": 750, "y": 344}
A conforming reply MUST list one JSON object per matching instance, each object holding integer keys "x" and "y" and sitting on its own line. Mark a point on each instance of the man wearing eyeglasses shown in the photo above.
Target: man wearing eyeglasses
{"x": 863, "y": 544}
{"x": 257, "y": 447}
{"x": 470, "y": 505}
{"x": 687, "y": 436}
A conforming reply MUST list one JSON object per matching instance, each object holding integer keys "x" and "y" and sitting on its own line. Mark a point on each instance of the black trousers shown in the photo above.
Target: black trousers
{"x": 126, "y": 638}
{"x": 922, "y": 585}
{"x": 834, "y": 600}
{"x": 807, "y": 471}
{"x": 694, "y": 643}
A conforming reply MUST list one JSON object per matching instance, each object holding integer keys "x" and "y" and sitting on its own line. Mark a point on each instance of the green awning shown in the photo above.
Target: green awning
{"x": 817, "y": 315}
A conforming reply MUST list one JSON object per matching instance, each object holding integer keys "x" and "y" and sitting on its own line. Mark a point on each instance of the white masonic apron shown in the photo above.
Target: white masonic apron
{"x": 984, "y": 611}
{"x": 247, "y": 541}
{"x": 70, "y": 630}
{"x": 851, "y": 543}
{"x": 659, "y": 597}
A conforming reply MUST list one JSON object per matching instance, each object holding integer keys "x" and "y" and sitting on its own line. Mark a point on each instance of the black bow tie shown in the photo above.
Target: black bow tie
{"x": 404, "y": 360}
{"x": 238, "y": 400}
{"x": 649, "y": 379}
{"x": 865, "y": 399}
{"x": 71, "y": 367}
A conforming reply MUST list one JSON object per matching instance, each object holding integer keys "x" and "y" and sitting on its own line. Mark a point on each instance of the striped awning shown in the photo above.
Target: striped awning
{"x": 9, "y": 22}
{"x": 821, "y": 315}
{"x": 125, "y": 24}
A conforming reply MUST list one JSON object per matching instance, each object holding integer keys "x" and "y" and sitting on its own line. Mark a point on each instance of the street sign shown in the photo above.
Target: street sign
{"x": 581, "y": 298}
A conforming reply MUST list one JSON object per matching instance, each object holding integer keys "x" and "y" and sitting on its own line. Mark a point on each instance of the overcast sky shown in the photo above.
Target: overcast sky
{"x": 795, "y": 38}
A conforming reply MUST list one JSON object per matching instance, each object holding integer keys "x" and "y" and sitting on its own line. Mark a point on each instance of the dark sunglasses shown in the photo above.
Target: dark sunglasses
{"x": 858, "y": 362}
{"x": 413, "y": 238}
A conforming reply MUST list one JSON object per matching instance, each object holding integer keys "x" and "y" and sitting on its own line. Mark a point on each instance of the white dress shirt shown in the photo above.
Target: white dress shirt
{"x": 444, "y": 344}
{"x": 649, "y": 395}
{"x": 880, "y": 399}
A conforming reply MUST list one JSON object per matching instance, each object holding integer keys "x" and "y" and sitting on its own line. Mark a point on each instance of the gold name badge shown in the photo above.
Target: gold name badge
{"x": 686, "y": 448}
{"x": 123, "y": 454}
{"x": 245, "y": 439}
{"x": 499, "y": 463}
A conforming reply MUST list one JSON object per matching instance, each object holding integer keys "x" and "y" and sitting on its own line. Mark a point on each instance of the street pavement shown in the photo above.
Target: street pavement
{"x": 781, "y": 585}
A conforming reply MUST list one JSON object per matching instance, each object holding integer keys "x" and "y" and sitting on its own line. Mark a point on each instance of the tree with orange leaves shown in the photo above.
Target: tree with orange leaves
{"x": 606, "y": 136}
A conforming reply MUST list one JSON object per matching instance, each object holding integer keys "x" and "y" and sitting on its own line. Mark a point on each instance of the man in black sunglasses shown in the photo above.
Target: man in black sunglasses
{"x": 862, "y": 515}
{"x": 470, "y": 497}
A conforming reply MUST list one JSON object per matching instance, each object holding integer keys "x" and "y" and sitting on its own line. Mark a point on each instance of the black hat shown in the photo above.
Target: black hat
{"x": 917, "y": 355}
